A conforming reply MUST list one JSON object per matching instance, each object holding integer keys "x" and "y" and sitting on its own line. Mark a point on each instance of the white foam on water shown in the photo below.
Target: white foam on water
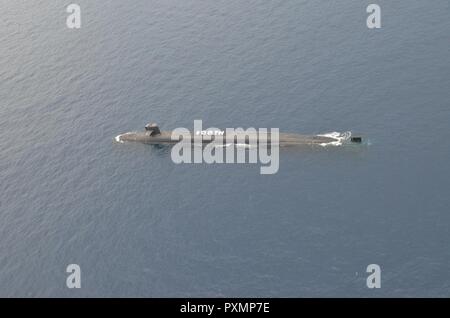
{"x": 246, "y": 146}
{"x": 237, "y": 145}
{"x": 117, "y": 138}
{"x": 339, "y": 138}
{"x": 222, "y": 146}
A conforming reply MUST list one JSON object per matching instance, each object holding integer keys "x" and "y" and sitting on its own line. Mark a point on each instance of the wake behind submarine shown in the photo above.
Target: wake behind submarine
{"x": 153, "y": 135}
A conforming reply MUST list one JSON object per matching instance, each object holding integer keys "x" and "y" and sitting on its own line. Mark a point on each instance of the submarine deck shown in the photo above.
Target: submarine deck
{"x": 165, "y": 137}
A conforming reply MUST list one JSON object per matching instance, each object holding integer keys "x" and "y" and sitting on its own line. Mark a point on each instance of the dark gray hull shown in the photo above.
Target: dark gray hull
{"x": 285, "y": 139}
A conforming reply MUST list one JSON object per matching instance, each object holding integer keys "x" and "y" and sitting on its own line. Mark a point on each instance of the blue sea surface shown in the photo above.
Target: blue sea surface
{"x": 140, "y": 225}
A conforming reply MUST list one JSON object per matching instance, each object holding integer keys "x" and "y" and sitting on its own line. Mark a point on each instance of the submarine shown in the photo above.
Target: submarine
{"x": 153, "y": 135}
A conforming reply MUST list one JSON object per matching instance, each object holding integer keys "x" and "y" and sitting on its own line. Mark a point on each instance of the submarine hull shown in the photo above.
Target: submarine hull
{"x": 285, "y": 139}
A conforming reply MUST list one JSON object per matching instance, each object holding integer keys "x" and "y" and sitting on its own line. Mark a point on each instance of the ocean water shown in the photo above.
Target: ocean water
{"x": 139, "y": 225}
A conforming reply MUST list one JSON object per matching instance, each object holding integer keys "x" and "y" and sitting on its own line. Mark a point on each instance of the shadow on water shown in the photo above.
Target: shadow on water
{"x": 160, "y": 150}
